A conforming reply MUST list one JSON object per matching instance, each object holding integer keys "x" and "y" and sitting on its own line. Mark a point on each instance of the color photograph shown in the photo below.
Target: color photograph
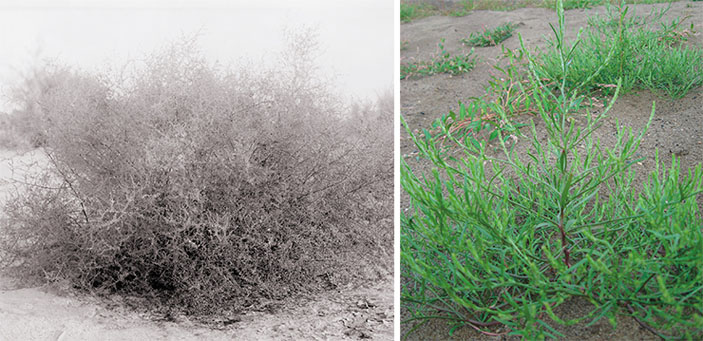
{"x": 551, "y": 170}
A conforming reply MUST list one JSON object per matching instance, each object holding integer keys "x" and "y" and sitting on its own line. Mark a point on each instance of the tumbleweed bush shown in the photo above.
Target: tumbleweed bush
{"x": 503, "y": 240}
{"x": 205, "y": 189}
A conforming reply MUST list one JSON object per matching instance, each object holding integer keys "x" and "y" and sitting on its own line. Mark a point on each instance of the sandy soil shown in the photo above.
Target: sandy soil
{"x": 45, "y": 313}
{"x": 52, "y": 312}
{"x": 676, "y": 130}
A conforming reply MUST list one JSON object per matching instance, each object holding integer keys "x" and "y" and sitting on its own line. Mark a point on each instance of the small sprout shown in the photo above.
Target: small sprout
{"x": 490, "y": 37}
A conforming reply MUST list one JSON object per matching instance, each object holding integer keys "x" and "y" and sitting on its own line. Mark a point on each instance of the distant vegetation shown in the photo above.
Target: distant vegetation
{"x": 490, "y": 37}
{"x": 411, "y": 10}
{"x": 649, "y": 54}
{"x": 444, "y": 63}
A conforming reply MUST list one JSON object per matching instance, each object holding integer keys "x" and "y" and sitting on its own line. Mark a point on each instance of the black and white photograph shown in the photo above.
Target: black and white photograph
{"x": 183, "y": 170}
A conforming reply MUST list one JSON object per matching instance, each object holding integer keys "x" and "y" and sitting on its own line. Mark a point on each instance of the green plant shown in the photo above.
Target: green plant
{"x": 463, "y": 8}
{"x": 494, "y": 5}
{"x": 644, "y": 58}
{"x": 504, "y": 239}
{"x": 673, "y": 34}
{"x": 507, "y": 96}
{"x": 410, "y": 12}
{"x": 490, "y": 37}
{"x": 572, "y": 4}
{"x": 445, "y": 63}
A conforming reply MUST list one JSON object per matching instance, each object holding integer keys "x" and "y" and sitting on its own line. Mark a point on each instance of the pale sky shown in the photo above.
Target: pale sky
{"x": 356, "y": 36}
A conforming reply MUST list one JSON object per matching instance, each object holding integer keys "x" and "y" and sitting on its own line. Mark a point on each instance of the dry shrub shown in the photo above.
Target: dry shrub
{"x": 10, "y": 136}
{"x": 204, "y": 188}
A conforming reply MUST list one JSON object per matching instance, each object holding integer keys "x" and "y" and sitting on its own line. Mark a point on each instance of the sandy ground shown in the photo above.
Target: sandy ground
{"x": 676, "y": 129}
{"x": 43, "y": 313}
{"x": 51, "y": 312}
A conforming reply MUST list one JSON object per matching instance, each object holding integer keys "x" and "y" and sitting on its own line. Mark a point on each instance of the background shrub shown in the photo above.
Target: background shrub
{"x": 647, "y": 53}
{"x": 207, "y": 188}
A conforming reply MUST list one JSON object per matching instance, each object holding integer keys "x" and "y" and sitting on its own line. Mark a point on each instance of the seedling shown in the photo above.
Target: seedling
{"x": 490, "y": 37}
{"x": 445, "y": 63}
{"x": 507, "y": 96}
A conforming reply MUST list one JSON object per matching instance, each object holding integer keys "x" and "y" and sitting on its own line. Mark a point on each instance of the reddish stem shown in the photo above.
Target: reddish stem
{"x": 486, "y": 332}
{"x": 642, "y": 323}
{"x": 563, "y": 240}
